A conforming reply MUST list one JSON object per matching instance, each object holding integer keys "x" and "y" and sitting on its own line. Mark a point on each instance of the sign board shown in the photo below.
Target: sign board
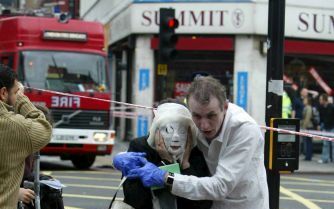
{"x": 303, "y": 20}
{"x": 144, "y": 79}
{"x": 142, "y": 125}
{"x": 162, "y": 69}
{"x": 242, "y": 89}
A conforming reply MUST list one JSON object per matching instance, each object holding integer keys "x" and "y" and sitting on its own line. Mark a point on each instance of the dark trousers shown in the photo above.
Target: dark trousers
{"x": 308, "y": 148}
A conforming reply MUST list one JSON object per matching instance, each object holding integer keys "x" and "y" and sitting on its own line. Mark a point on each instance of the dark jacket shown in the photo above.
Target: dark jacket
{"x": 327, "y": 116}
{"x": 139, "y": 197}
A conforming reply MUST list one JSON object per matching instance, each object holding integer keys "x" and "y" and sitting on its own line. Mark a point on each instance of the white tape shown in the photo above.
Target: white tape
{"x": 298, "y": 133}
{"x": 276, "y": 87}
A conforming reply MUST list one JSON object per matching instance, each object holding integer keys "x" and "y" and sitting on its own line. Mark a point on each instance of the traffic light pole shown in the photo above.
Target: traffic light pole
{"x": 167, "y": 43}
{"x": 274, "y": 86}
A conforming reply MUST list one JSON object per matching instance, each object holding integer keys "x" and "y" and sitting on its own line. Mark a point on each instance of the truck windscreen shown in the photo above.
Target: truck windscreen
{"x": 65, "y": 71}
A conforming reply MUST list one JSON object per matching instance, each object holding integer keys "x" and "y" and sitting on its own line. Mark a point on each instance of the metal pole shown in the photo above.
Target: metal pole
{"x": 36, "y": 181}
{"x": 274, "y": 86}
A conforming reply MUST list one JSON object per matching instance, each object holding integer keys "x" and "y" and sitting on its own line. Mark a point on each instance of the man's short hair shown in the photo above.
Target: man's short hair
{"x": 205, "y": 86}
{"x": 7, "y": 77}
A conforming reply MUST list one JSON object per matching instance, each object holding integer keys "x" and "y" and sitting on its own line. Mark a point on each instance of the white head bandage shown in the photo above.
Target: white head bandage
{"x": 173, "y": 121}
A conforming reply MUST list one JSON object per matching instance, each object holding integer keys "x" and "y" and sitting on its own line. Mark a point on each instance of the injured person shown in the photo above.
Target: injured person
{"x": 169, "y": 145}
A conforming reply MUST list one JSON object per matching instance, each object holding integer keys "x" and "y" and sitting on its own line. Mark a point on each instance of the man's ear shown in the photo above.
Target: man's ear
{"x": 3, "y": 93}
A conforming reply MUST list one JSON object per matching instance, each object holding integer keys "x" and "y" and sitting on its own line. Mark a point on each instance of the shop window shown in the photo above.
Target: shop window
{"x": 187, "y": 65}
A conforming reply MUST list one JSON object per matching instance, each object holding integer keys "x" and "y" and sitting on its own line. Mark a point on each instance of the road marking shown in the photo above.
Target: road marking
{"x": 313, "y": 200}
{"x": 47, "y": 172}
{"x": 306, "y": 183}
{"x": 90, "y": 197}
{"x": 92, "y": 186}
{"x": 311, "y": 191}
{"x": 306, "y": 179}
{"x": 322, "y": 201}
{"x": 68, "y": 207}
{"x": 88, "y": 178}
{"x": 309, "y": 204}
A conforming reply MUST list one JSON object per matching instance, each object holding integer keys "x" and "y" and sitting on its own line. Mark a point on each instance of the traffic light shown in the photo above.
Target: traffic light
{"x": 167, "y": 36}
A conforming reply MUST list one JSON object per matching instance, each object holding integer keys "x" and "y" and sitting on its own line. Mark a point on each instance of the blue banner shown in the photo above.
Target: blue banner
{"x": 144, "y": 79}
{"x": 242, "y": 89}
{"x": 142, "y": 126}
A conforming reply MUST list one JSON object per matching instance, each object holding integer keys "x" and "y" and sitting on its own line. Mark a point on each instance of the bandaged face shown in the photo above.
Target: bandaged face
{"x": 175, "y": 138}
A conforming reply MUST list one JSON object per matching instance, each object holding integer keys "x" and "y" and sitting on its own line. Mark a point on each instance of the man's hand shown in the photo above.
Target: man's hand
{"x": 21, "y": 88}
{"x": 127, "y": 161}
{"x": 161, "y": 147}
{"x": 185, "y": 161}
{"x": 150, "y": 175}
{"x": 26, "y": 195}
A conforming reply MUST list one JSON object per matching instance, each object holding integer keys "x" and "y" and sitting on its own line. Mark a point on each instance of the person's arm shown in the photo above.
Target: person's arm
{"x": 133, "y": 187}
{"x": 36, "y": 127}
{"x": 197, "y": 168}
{"x": 197, "y": 163}
{"x": 231, "y": 167}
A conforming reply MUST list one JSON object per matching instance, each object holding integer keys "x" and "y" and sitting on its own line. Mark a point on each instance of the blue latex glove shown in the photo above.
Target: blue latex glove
{"x": 150, "y": 175}
{"x": 127, "y": 161}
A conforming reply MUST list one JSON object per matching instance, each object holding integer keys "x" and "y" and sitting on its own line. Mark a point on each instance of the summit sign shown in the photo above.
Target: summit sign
{"x": 223, "y": 19}
{"x": 226, "y": 18}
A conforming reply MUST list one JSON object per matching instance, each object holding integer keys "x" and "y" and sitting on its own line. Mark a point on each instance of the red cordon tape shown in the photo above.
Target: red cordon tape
{"x": 133, "y": 116}
{"x": 298, "y": 133}
{"x": 103, "y": 100}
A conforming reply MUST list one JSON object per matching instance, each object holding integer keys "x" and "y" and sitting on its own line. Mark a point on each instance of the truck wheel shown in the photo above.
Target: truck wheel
{"x": 83, "y": 161}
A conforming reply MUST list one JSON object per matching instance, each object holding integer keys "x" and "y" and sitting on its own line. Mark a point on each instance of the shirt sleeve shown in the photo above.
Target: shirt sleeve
{"x": 232, "y": 166}
{"x": 37, "y": 128}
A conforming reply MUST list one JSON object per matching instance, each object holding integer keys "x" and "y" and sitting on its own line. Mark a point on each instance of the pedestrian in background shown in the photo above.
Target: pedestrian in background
{"x": 286, "y": 105}
{"x": 326, "y": 111}
{"x": 24, "y": 131}
{"x": 232, "y": 145}
{"x": 306, "y": 123}
{"x": 297, "y": 105}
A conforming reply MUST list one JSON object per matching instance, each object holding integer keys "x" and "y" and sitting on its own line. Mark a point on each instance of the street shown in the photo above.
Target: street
{"x": 299, "y": 191}
{"x": 86, "y": 189}
{"x": 94, "y": 188}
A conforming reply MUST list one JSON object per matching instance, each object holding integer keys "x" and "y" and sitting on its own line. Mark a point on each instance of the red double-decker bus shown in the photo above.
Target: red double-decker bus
{"x": 64, "y": 56}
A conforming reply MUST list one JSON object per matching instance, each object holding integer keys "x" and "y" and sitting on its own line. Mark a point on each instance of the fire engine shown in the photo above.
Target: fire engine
{"x": 64, "y": 55}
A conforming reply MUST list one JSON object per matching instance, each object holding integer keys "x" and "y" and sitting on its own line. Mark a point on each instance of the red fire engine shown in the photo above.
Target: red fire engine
{"x": 64, "y": 56}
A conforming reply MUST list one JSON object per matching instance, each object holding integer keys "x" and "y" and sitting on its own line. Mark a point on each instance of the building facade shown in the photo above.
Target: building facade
{"x": 225, "y": 39}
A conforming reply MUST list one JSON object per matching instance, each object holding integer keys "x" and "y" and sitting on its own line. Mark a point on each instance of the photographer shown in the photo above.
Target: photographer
{"x": 24, "y": 130}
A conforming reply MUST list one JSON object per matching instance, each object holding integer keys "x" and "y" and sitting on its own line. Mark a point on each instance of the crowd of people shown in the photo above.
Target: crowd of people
{"x": 316, "y": 112}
